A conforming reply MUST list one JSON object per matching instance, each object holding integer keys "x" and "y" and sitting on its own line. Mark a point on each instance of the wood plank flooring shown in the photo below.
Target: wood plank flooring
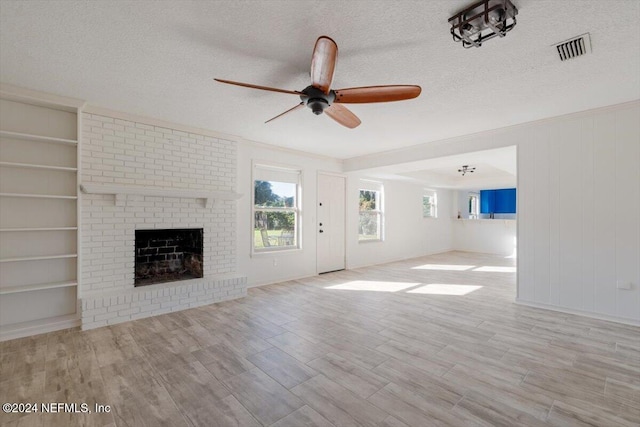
{"x": 432, "y": 341}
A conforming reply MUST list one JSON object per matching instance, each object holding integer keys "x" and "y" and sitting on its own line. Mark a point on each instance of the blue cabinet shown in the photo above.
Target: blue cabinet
{"x": 498, "y": 201}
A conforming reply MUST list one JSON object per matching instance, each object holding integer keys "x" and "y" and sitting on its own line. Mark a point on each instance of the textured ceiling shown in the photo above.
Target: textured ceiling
{"x": 158, "y": 59}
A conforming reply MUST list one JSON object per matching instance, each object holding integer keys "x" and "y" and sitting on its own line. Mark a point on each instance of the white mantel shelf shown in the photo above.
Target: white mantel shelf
{"x": 122, "y": 191}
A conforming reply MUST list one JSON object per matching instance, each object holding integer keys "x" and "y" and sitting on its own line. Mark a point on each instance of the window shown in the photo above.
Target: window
{"x": 370, "y": 224}
{"x": 474, "y": 206}
{"x": 276, "y": 211}
{"x": 430, "y": 205}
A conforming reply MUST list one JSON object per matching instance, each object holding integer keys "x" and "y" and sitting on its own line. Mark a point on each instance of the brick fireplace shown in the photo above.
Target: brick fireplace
{"x": 173, "y": 165}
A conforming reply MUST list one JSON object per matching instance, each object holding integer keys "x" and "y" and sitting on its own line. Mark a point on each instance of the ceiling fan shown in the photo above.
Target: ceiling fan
{"x": 319, "y": 96}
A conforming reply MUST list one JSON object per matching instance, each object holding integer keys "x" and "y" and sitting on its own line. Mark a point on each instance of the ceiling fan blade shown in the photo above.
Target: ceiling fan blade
{"x": 342, "y": 115}
{"x": 271, "y": 89}
{"x": 323, "y": 63}
{"x": 288, "y": 111}
{"x": 367, "y": 94}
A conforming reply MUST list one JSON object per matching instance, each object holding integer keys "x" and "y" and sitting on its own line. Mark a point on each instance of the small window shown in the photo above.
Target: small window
{"x": 430, "y": 205}
{"x": 370, "y": 224}
{"x": 276, "y": 212}
{"x": 474, "y": 206}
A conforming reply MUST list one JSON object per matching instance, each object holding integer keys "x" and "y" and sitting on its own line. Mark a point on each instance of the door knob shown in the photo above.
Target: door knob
{"x": 321, "y": 231}
{"x": 320, "y": 224}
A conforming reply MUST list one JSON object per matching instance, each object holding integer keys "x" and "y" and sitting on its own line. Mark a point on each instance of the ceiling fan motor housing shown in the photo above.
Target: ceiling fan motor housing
{"x": 316, "y": 99}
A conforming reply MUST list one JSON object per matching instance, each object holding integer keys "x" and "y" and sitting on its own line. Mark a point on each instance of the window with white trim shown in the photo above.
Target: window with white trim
{"x": 430, "y": 204}
{"x": 371, "y": 212}
{"x": 276, "y": 208}
{"x": 474, "y": 205}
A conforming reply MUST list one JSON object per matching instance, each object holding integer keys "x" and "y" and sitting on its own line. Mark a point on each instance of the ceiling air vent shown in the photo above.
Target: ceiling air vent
{"x": 574, "y": 47}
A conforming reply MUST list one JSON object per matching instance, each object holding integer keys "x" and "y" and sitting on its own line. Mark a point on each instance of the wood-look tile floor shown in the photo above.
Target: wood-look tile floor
{"x": 432, "y": 341}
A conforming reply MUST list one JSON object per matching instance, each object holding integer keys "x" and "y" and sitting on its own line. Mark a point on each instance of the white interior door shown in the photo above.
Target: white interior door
{"x": 331, "y": 223}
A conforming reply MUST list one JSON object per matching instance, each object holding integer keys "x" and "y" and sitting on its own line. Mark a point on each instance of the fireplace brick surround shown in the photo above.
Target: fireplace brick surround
{"x": 122, "y": 152}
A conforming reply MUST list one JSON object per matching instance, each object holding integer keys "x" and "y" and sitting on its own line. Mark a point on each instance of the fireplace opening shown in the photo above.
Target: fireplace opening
{"x": 168, "y": 255}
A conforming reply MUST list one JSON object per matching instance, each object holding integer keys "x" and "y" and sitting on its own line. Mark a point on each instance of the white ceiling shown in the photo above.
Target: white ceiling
{"x": 158, "y": 59}
{"x": 495, "y": 168}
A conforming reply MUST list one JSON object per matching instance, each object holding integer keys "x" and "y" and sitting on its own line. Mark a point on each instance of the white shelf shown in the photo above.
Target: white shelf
{"x": 40, "y": 145}
{"x": 8, "y": 230}
{"x": 38, "y": 258}
{"x": 34, "y": 166}
{"x": 121, "y": 191}
{"x": 39, "y": 287}
{"x": 40, "y": 326}
{"x": 37, "y": 196}
{"x": 39, "y": 138}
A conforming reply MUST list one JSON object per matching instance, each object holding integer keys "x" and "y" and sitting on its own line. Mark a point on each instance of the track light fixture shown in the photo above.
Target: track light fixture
{"x": 483, "y": 21}
{"x": 466, "y": 169}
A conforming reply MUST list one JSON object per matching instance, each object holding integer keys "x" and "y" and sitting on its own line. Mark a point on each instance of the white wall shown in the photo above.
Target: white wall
{"x": 578, "y": 206}
{"x": 579, "y": 213}
{"x": 267, "y": 268}
{"x": 407, "y": 234}
{"x": 461, "y": 202}
{"x": 489, "y": 236}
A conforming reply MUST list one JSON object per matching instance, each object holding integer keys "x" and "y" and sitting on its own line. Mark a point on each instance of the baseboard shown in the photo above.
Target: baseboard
{"x": 579, "y": 312}
{"x": 287, "y": 279}
{"x": 404, "y": 258}
{"x": 27, "y": 329}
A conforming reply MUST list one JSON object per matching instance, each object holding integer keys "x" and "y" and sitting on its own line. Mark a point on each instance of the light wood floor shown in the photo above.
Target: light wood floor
{"x": 381, "y": 346}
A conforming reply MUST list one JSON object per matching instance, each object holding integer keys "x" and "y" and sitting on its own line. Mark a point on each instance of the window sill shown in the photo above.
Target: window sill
{"x": 485, "y": 219}
{"x": 267, "y": 252}
{"x": 370, "y": 241}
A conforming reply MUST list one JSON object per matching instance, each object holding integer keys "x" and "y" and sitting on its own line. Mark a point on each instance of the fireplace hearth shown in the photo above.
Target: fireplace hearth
{"x": 168, "y": 255}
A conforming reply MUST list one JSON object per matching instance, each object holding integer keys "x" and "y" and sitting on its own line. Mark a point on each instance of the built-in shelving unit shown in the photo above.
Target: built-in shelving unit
{"x": 39, "y": 212}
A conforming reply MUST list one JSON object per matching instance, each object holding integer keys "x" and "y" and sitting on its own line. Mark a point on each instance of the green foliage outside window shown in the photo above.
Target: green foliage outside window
{"x": 274, "y": 215}
{"x": 369, "y": 224}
